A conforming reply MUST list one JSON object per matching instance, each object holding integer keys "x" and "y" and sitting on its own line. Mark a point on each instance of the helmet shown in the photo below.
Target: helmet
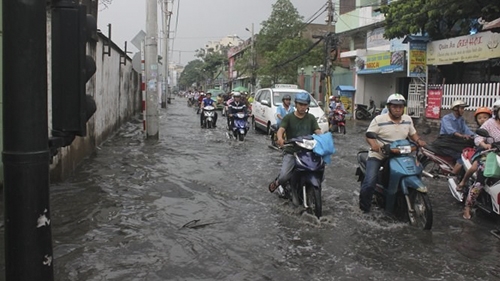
{"x": 458, "y": 103}
{"x": 396, "y": 99}
{"x": 236, "y": 94}
{"x": 332, "y": 97}
{"x": 286, "y": 97}
{"x": 496, "y": 105}
{"x": 209, "y": 93}
{"x": 303, "y": 98}
{"x": 482, "y": 110}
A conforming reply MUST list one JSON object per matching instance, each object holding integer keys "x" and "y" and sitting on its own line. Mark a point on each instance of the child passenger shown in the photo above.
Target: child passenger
{"x": 481, "y": 115}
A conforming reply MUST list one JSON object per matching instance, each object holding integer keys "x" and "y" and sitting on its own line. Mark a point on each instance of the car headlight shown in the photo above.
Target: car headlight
{"x": 323, "y": 119}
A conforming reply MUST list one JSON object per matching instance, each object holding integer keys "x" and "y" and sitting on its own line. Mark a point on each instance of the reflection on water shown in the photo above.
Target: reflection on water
{"x": 195, "y": 206}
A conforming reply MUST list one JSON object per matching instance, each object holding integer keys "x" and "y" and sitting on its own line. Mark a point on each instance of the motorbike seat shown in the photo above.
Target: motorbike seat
{"x": 443, "y": 153}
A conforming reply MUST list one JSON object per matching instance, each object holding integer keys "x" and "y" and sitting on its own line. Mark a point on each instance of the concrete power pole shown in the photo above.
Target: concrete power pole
{"x": 151, "y": 61}
{"x": 166, "y": 32}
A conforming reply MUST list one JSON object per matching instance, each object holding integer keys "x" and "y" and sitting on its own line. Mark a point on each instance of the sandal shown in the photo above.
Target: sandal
{"x": 272, "y": 186}
{"x": 460, "y": 187}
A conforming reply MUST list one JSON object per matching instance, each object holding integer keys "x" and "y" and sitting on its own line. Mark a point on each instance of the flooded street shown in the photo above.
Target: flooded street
{"x": 194, "y": 205}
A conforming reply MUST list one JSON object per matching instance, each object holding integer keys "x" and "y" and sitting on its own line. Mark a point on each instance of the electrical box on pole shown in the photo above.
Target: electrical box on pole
{"x": 72, "y": 29}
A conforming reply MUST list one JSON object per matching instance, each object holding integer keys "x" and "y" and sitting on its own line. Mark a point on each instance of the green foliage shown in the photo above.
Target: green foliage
{"x": 193, "y": 73}
{"x": 279, "y": 41}
{"x": 283, "y": 23}
{"x": 208, "y": 66}
{"x": 438, "y": 18}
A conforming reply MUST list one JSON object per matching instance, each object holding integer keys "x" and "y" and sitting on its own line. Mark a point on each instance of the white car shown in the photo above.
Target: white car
{"x": 267, "y": 101}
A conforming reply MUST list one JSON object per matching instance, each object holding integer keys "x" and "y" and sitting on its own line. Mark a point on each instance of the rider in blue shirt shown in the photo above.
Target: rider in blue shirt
{"x": 284, "y": 109}
{"x": 208, "y": 101}
{"x": 453, "y": 124}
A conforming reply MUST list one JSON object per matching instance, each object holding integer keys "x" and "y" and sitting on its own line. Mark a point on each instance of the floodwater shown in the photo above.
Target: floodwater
{"x": 194, "y": 205}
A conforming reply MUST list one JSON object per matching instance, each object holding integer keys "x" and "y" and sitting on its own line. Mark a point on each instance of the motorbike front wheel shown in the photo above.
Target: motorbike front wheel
{"x": 241, "y": 137}
{"x": 314, "y": 200}
{"x": 341, "y": 129}
{"x": 422, "y": 210}
{"x": 359, "y": 115}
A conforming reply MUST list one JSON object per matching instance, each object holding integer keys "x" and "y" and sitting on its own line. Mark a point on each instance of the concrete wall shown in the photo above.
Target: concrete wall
{"x": 117, "y": 92}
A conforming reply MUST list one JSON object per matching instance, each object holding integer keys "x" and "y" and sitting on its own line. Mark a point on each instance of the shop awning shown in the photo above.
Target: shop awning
{"x": 345, "y": 88}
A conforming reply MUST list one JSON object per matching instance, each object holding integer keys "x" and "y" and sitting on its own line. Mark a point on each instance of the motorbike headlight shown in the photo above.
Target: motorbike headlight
{"x": 323, "y": 119}
{"x": 307, "y": 144}
{"x": 403, "y": 149}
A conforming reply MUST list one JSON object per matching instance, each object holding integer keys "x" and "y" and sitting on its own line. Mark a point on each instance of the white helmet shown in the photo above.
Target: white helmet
{"x": 396, "y": 99}
{"x": 458, "y": 103}
{"x": 496, "y": 105}
{"x": 236, "y": 94}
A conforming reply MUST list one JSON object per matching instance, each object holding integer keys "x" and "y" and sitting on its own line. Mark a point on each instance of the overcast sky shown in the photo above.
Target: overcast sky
{"x": 195, "y": 22}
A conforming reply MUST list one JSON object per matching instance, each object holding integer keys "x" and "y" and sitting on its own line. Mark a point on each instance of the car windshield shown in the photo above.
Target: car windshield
{"x": 278, "y": 96}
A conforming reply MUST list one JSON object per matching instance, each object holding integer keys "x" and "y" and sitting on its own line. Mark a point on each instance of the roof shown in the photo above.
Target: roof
{"x": 345, "y": 88}
{"x": 416, "y": 38}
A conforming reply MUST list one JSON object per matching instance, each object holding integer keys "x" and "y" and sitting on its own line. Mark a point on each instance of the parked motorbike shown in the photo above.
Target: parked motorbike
{"x": 240, "y": 125}
{"x": 366, "y": 112}
{"x": 304, "y": 187}
{"x": 337, "y": 121}
{"x": 399, "y": 188}
{"x": 208, "y": 117}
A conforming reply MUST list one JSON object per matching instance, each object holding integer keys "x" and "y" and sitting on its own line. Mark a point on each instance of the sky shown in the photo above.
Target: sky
{"x": 195, "y": 22}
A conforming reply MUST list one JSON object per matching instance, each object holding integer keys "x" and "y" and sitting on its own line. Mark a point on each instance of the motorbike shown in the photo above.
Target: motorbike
{"x": 437, "y": 164}
{"x": 304, "y": 188}
{"x": 488, "y": 199}
{"x": 337, "y": 121}
{"x": 240, "y": 125}
{"x": 208, "y": 117}
{"x": 366, "y": 112}
{"x": 399, "y": 189}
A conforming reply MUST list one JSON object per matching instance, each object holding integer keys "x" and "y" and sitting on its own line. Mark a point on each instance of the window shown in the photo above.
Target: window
{"x": 347, "y": 6}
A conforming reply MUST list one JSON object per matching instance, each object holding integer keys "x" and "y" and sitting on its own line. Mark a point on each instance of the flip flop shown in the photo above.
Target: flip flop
{"x": 272, "y": 186}
{"x": 460, "y": 188}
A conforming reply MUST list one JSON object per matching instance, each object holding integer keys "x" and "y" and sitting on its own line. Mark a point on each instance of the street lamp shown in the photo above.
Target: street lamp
{"x": 302, "y": 78}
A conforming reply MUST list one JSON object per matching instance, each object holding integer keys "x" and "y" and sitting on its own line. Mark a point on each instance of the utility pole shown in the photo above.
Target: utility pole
{"x": 330, "y": 45}
{"x": 166, "y": 38}
{"x": 151, "y": 61}
{"x": 252, "y": 51}
{"x": 28, "y": 236}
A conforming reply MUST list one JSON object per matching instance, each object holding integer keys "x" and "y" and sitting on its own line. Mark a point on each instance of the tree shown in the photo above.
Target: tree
{"x": 280, "y": 43}
{"x": 437, "y": 18}
{"x": 192, "y": 74}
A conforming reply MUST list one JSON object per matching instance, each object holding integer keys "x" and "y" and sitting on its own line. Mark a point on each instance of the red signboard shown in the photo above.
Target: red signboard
{"x": 433, "y": 103}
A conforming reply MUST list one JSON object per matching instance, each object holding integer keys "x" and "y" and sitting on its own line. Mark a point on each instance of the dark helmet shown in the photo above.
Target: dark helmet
{"x": 303, "y": 98}
{"x": 286, "y": 97}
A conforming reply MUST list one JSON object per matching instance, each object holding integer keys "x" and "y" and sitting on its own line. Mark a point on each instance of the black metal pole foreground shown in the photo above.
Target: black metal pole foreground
{"x": 28, "y": 238}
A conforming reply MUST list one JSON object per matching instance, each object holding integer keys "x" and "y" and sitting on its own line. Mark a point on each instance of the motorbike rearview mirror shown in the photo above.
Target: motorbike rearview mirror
{"x": 482, "y": 133}
{"x": 371, "y": 135}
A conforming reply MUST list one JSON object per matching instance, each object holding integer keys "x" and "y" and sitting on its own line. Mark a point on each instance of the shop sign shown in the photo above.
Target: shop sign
{"x": 469, "y": 48}
{"x": 417, "y": 59}
{"x": 381, "y": 63}
{"x": 433, "y": 109}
